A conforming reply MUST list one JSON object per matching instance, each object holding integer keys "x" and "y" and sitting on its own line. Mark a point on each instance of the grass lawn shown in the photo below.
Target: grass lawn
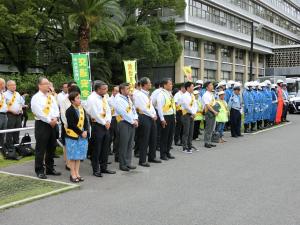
{"x": 17, "y": 188}
{"x": 5, "y": 162}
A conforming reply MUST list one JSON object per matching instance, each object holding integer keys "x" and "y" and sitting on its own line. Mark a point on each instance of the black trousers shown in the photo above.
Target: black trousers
{"x": 99, "y": 145}
{"x": 196, "y": 129}
{"x": 235, "y": 122}
{"x": 167, "y": 134}
{"x": 158, "y": 127}
{"x": 178, "y": 128}
{"x": 13, "y": 121}
{"x": 45, "y": 137}
{"x": 24, "y": 117}
{"x": 285, "y": 111}
{"x": 114, "y": 135}
{"x": 147, "y": 138}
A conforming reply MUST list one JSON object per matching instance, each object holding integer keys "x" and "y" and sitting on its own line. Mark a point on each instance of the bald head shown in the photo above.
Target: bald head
{"x": 44, "y": 84}
{"x": 11, "y": 85}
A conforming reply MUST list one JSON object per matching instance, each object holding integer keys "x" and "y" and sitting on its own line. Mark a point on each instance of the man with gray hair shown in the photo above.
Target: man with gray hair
{"x": 15, "y": 104}
{"x": 3, "y": 111}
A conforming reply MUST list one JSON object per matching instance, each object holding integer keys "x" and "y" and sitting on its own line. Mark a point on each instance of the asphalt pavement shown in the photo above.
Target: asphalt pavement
{"x": 253, "y": 180}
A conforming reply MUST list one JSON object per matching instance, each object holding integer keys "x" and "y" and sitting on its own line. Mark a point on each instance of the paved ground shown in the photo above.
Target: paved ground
{"x": 254, "y": 180}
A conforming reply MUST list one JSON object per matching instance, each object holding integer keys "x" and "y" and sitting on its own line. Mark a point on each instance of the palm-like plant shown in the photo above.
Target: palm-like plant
{"x": 91, "y": 15}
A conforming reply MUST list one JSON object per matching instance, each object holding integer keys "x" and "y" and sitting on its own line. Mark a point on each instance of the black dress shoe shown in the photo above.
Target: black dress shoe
{"x": 171, "y": 147}
{"x": 41, "y": 176}
{"x": 53, "y": 172}
{"x": 207, "y": 145}
{"x": 154, "y": 161}
{"x": 145, "y": 164}
{"x": 97, "y": 174}
{"x": 108, "y": 171}
{"x": 164, "y": 158}
{"x": 170, "y": 156}
{"x": 178, "y": 144}
{"x": 124, "y": 169}
{"x": 234, "y": 136}
{"x": 116, "y": 159}
{"x": 212, "y": 145}
{"x": 240, "y": 135}
{"x": 131, "y": 167}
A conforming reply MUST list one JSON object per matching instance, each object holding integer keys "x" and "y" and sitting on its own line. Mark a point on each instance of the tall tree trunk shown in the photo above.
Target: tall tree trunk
{"x": 84, "y": 33}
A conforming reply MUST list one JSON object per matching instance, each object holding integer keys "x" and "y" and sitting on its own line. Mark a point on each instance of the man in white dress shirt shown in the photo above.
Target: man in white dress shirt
{"x": 127, "y": 123}
{"x": 62, "y": 95}
{"x": 100, "y": 113}
{"x": 147, "y": 124}
{"x": 153, "y": 97}
{"x": 46, "y": 112}
{"x": 189, "y": 109}
{"x": 15, "y": 103}
{"x": 3, "y": 111}
{"x": 178, "y": 128}
{"x": 114, "y": 125}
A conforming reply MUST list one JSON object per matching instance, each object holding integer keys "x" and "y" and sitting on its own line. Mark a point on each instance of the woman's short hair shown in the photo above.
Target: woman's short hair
{"x": 73, "y": 95}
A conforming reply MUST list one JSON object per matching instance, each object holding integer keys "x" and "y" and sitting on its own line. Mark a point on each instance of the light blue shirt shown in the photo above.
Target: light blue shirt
{"x": 122, "y": 104}
{"x": 235, "y": 102}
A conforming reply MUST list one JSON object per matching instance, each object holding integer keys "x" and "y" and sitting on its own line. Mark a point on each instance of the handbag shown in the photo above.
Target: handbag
{"x": 9, "y": 152}
{"x": 25, "y": 148}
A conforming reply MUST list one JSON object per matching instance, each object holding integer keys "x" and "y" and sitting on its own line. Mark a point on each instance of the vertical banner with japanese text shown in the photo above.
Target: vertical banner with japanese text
{"x": 81, "y": 73}
{"x": 131, "y": 72}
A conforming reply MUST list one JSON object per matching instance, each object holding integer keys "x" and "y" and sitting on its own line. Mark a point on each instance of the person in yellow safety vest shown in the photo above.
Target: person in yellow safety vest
{"x": 178, "y": 128}
{"x": 198, "y": 117}
{"x": 222, "y": 117}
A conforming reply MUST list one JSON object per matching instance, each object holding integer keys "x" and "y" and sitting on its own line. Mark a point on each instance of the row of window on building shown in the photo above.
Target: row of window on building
{"x": 287, "y": 7}
{"x": 211, "y": 75}
{"x": 232, "y": 22}
{"x": 261, "y": 11}
{"x": 191, "y": 47}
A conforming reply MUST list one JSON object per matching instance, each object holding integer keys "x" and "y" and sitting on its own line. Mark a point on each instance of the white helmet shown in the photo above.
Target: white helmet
{"x": 279, "y": 81}
{"x": 263, "y": 84}
{"x": 273, "y": 85}
{"x": 199, "y": 82}
{"x": 247, "y": 85}
{"x": 267, "y": 82}
{"x": 222, "y": 83}
{"x": 221, "y": 93}
{"x": 255, "y": 83}
{"x": 237, "y": 84}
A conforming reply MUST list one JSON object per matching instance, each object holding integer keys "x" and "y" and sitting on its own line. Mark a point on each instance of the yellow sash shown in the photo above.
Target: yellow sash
{"x": 113, "y": 111}
{"x": 184, "y": 111}
{"x": 47, "y": 108}
{"x": 169, "y": 104}
{"x": 104, "y": 105}
{"x": 212, "y": 103}
{"x": 12, "y": 101}
{"x": 148, "y": 106}
{"x": 80, "y": 124}
{"x": 2, "y": 101}
{"x": 119, "y": 118}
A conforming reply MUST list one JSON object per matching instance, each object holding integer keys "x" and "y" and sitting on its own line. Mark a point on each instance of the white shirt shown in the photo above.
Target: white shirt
{"x": 122, "y": 104}
{"x": 154, "y": 96}
{"x": 112, "y": 104}
{"x": 96, "y": 109}
{"x": 18, "y": 103}
{"x": 61, "y": 97}
{"x": 177, "y": 97}
{"x": 38, "y": 103}
{"x": 187, "y": 103}
{"x": 64, "y": 105}
{"x": 3, "y": 108}
{"x": 207, "y": 98}
{"x": 161, "y": 101}
{"x": 143, "y": 103}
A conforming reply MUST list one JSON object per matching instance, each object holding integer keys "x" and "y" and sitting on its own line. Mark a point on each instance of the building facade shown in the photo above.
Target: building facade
{"x": 216, "y": 35}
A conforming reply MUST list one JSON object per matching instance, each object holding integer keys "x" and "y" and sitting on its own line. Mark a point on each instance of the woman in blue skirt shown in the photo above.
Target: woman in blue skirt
{"x": 76, "y": 136}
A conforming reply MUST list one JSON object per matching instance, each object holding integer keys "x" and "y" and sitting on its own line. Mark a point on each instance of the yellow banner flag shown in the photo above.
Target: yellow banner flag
{"x": 188, "y": 72}
{"x": 131, "y": 71}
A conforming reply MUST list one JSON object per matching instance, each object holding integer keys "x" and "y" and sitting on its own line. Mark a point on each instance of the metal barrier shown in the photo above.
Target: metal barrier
{"x": 16, "y": 130}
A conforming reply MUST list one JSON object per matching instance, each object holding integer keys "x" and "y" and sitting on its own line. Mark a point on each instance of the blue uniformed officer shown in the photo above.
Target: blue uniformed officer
{"x": 248, "y": 107}
{"x": 235, "y": 106}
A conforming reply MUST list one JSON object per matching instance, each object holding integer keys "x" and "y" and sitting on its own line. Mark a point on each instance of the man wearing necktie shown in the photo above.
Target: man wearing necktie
{"x": 46, "y": 112}
{"x": 100, "y": 113}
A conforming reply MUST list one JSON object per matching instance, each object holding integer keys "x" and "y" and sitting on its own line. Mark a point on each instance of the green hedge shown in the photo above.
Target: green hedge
{"x": 28, "y": 82}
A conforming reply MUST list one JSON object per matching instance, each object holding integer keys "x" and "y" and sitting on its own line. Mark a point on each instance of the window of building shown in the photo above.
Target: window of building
{"x": 210, "y": 75}
{"x": 191, "y": 44}
{"x": 239, "y": 77}
{"x": 239, "y": 55}
{"x": 210, "y": 48}
{"x": 226, "y": 51}
{"x": 225, "y": 75}
{"x": 195, "y": 72}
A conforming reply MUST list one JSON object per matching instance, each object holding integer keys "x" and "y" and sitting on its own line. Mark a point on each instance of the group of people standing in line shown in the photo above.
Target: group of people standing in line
{"x": 133, "y": 119}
